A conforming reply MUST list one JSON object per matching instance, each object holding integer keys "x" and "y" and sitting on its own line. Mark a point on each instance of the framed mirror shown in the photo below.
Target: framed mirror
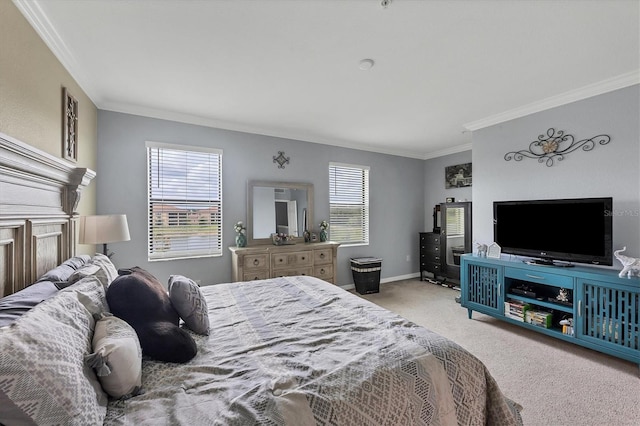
{"x": 282, "y": 207}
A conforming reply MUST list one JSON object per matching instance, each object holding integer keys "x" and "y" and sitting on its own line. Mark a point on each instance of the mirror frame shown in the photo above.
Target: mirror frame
{"x": 287, "y": 185}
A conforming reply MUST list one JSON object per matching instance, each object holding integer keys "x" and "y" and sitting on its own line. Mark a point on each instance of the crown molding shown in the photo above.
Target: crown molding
{"x": 33, "y": 13}
{"x": 448, "y": 151}
{"x": 599, "y": 88}
{"x": 291, "y": 134}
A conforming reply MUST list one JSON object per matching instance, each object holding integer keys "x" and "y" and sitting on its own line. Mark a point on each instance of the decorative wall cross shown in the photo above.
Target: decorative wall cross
{"x": 281, "y": 159}
{"x": 69, "y": 126}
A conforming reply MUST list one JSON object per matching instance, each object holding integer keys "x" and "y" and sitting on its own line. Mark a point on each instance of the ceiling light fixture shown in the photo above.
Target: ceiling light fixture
{"x": 366, "y": 64}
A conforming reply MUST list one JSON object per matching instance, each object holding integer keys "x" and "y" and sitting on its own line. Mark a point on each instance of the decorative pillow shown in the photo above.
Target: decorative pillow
{"x": 140, "y": 300}
{"x": 91, "y": 294}
{"x": 44, "y": 377}
{"x": 86, "y": 271}
{"x": 107, "y": 272}
{"x": 189, "y": 302}
{"x": 116, "y": 357}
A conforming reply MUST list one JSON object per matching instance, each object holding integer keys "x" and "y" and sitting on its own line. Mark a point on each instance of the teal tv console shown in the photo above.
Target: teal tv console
{"x": 602, "y": 308}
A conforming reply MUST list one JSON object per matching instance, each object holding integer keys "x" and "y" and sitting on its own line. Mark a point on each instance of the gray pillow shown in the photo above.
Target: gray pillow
{"x": 14, "y": 306}
{"x": 189, "y": 302}
{"x": 45, "y": 379}
{"x": 64, "y": 270}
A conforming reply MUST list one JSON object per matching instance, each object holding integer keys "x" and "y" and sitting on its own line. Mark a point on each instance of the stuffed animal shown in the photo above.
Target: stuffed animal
{"x": 630, "y": 265}
{"x": 137, "y": 297}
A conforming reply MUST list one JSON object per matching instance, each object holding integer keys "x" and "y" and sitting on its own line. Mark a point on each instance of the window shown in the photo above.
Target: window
{"x": 185, "y": 201}
{"x": 349, "y": 203}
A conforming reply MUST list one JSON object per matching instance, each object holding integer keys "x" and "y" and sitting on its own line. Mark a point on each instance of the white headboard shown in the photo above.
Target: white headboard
{"x": 39, "y": 195}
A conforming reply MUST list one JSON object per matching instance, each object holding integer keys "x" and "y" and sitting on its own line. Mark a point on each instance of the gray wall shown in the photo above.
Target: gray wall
{"x": 397, "y": 196}
{"x": 434, "y": 188}
{"x": 612, "y": 170}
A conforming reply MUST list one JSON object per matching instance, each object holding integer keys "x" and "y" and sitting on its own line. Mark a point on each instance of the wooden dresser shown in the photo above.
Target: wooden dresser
{"x": 260, "y": 262}
{"x": 430, "y": 254}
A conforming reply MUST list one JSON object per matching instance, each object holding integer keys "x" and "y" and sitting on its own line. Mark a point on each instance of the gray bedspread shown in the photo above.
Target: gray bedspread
{"x": 300, "y": 351}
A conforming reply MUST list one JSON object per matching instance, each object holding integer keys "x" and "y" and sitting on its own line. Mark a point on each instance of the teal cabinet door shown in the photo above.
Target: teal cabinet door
{"x": 481, "y": 287}
{"x": 608, "y": 316}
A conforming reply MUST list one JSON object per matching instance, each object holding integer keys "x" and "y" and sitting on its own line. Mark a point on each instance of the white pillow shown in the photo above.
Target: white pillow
{"x": 107, "y": 272}
{"x": 116, "y": 357}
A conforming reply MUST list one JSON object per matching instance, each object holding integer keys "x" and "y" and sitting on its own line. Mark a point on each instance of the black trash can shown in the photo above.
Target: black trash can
{"x": 457, "y": 252}
{"x": 366, "y": 274}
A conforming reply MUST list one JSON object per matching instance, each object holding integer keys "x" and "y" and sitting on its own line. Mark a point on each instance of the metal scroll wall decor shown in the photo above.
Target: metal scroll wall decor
{"x": 555, "y": 145}
{"x": 281, "y": 159}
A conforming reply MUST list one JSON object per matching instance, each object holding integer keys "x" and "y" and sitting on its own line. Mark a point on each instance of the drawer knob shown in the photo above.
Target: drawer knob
{"x": 302, "y": 257}
{"x": 280, "y": 260}
{"x": 256, "y": 262}
{"x": 322, "y": 271}
{"x": 321, "y": 255}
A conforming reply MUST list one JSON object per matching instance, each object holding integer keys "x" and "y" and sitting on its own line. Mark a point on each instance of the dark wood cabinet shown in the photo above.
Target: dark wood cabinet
{"x": 440, "y": 252}
{"x": 455, "y": 236}
{"x": 430, "y": 254}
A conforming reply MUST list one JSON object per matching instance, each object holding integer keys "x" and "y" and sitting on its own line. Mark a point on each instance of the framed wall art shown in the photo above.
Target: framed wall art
{"x": 69, "y": 126}
{"x": 457, "y": 176}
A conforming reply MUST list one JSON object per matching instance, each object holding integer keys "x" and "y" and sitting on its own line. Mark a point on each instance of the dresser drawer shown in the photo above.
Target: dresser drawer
{"x": 431, "y": 250}
{"x": 430, "y": 239}
{"x": 285, "y": 260}
{"x": 255, "y": 275}
{"x": 292, "y": 272}
{"x": 539, "y": 277}
{"x": 322, "y": 256}
{"x": 324, "y": 272}
{"x": 433, "y": 267}
{"x": 255, "y": 261}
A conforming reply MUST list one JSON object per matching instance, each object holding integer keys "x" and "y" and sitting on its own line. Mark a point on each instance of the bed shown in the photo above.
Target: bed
{"x": 291, "y": 350}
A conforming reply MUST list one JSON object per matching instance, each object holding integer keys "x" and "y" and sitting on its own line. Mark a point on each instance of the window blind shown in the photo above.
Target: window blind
{"x": 349, "y": 203}
{"x": 184, "y": 201}
{"x": 455, "y": 222}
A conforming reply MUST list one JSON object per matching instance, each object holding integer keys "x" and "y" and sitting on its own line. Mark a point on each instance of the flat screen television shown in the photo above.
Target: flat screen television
{"x": 568, "y": 230}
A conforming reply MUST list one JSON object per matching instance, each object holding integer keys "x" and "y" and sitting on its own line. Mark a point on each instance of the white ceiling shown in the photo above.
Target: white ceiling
{"x": 291, "y": 68}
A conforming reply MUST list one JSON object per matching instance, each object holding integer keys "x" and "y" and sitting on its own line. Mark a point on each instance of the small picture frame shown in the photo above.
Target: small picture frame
{"x": 494, "y": 251}
{"x": 450, "y": 200}
{"x": 314, "y": 237}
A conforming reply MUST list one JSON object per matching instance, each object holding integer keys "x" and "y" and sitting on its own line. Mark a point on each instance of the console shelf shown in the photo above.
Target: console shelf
{"x": 603, "y": 308}
{"x": 542, "y": 303}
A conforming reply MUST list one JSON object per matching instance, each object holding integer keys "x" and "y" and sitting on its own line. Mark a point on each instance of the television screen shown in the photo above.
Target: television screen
{"x": 572, "y": 230}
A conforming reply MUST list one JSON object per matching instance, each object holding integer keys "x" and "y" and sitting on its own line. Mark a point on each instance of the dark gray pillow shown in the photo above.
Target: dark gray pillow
{"x": 189, "y": 302}
{"x": 65, "y": 269}
{"x": 14, "y": 306}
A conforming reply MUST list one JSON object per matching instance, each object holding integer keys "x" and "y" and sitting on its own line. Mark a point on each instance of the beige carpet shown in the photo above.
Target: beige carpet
{"x": 556, "y": 382}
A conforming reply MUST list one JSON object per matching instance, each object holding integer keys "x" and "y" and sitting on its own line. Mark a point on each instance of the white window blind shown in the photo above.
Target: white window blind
{"x": 349, "y": 203}
{"x": 185, "y": 201}
{"x": 455, "y": 222}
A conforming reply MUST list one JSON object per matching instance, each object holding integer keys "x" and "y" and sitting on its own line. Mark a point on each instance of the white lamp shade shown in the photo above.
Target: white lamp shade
{"x": 103, "y": 229}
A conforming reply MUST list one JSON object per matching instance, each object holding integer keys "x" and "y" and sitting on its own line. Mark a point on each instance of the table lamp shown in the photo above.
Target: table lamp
{"x": 103, "y": 229}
